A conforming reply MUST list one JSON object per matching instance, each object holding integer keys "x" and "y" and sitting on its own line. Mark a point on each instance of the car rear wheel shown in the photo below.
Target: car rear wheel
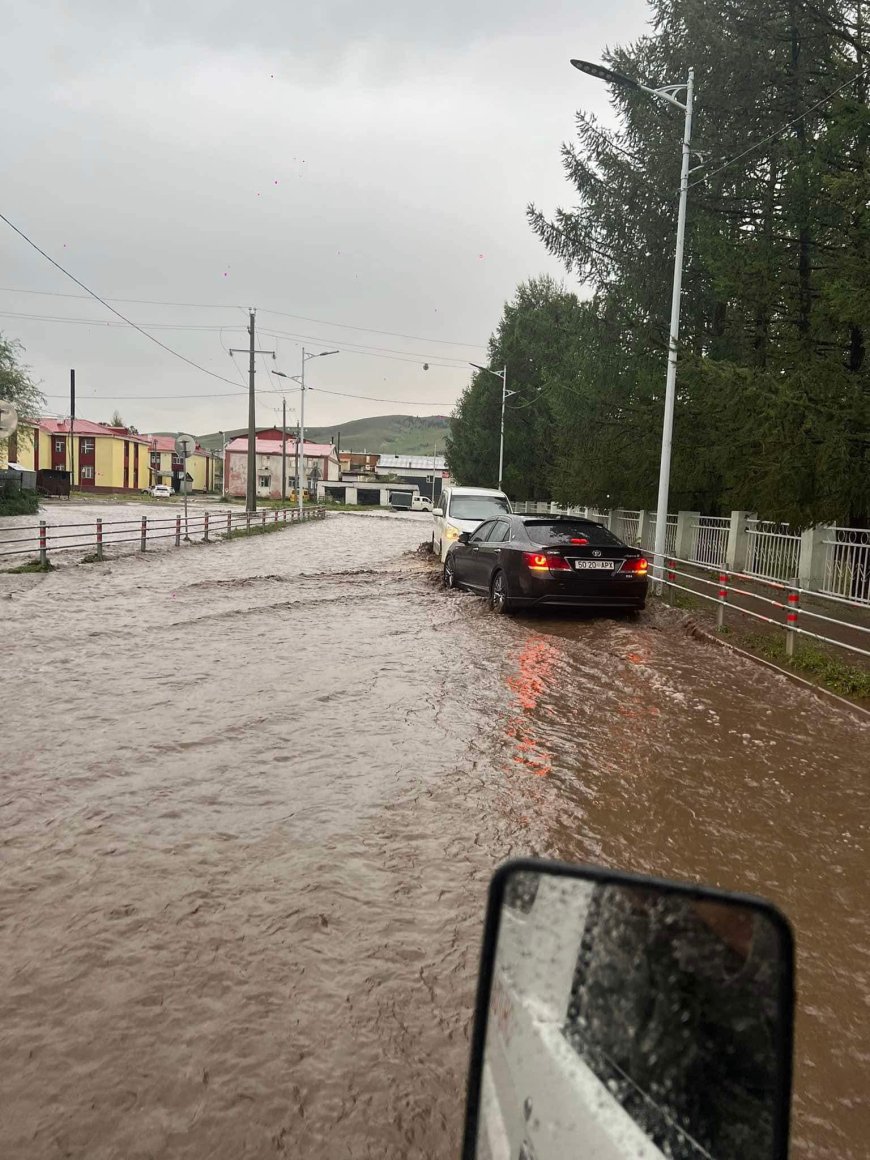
{"x": 499, "y": 600}
{"x": 449, "y": 573}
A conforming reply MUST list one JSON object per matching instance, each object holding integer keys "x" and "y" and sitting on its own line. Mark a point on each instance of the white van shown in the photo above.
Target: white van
{"x": 462, "y": 509}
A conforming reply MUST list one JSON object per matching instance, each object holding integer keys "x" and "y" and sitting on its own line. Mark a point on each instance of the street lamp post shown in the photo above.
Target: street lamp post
{"x": 665, "y": 93}
{"x": 505, "y": 395}
{"x": 300, "y": 438}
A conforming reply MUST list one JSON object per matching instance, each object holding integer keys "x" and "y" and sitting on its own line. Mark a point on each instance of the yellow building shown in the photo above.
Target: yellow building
{"x": 167, "y": 467}
{"x": 98, "y": 457}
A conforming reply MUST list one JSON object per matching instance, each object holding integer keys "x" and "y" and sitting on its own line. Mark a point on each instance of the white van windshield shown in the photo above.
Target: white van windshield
{"x": 477, "y": 507}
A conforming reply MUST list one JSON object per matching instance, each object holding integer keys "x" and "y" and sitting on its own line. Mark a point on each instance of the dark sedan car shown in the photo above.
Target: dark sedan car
{"x": 521, "y": 561}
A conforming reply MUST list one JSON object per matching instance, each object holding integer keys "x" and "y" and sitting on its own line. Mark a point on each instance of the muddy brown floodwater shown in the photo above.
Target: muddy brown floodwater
{"x": 252, "y": 793}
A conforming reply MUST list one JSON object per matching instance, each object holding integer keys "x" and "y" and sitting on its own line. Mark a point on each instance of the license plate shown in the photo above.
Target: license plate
{"x": 594, "y": 565}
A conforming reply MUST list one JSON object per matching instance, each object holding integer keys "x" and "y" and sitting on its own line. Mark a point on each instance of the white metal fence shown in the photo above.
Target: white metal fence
{"x": 774, "y": 551}
{"x": 710, "y": 540}
{"x": 847, "y": 564}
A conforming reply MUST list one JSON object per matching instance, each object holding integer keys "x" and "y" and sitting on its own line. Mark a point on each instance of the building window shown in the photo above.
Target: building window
{"x": 60, "y": 446}
{"x": 87, "y": 472}
{"x": 87, "y": 446}
{"x": 155, "y": 459}
{"x": 264, "y": 480}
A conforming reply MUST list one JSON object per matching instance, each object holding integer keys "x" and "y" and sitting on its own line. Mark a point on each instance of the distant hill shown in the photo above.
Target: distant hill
{"x": 387, "y": 434}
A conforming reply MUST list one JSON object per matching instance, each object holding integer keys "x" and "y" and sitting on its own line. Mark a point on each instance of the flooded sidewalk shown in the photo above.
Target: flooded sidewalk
{"x": 252, "y": 795}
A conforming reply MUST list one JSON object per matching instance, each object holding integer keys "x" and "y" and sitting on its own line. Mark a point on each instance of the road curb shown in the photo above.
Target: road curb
{"x": 698, "y": 632}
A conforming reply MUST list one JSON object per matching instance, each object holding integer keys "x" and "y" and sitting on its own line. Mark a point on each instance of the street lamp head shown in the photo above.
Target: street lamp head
{"x": 280, "y": 375}
{"x": 323, "y": 353}
{"x": 605, "y": 74}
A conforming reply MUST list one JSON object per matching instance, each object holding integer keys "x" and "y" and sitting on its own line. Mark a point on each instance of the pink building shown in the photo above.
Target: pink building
{"x": 321, "y": 464}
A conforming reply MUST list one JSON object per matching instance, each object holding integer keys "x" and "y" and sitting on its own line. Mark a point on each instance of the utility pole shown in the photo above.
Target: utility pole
{"x": 251, "y": 498}
{"x": 284, "y": 452}
{"x": 252, "y": 352}
{"x": 72, "y": 424}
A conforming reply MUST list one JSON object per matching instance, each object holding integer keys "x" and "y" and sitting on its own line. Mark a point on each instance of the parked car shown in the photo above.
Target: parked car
{"x": 159, "y": 491}
{"x": 520, "y": 561}
{"x": 461, "y": 509}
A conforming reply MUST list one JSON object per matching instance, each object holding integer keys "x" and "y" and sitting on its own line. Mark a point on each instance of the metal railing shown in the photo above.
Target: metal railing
{"x": 710, "y": 540}
{"x": 649, "y": 536}
{"x": 790, "y": 607}
{"x": 43, "y": 540}
{"x": 847, "y": 564}
{"x": 773, "y": 550}
{"x": 625, "y": 525}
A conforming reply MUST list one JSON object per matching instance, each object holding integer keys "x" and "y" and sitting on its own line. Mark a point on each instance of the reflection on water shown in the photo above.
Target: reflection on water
{"x": 249, "y": 817}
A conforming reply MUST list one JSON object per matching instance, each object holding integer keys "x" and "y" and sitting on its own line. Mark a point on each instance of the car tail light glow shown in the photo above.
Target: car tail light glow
{"x": 638, "y": 565}
{"x": 579, "y": 540}
{"x": 540, "y": 562}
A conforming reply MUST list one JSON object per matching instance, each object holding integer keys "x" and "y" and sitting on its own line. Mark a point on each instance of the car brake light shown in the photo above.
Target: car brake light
{"x": 580, "y": 540}
{"x": 638, "y": 565}
{"x": 539, "y": 562}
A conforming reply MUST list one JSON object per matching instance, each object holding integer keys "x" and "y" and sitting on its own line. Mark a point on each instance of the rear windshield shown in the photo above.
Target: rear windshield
{"x": 477, "y": 507}
{"x": 566, "y": 532}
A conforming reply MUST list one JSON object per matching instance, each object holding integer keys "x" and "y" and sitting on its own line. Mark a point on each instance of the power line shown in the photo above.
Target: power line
{"x": 371, "y": 351}
{"x": 103, "y": 302}
{"x": 782, "y": 129}
{"x": 108, "y": 322}
{"x": 225, "y": 306}
{"x": 375, "y": 399}
{"x": 351, "y": 348}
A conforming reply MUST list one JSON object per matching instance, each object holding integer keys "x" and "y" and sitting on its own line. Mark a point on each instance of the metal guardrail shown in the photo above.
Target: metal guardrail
{"x": 43, "y": 540}
{"x": 794, "y": 611}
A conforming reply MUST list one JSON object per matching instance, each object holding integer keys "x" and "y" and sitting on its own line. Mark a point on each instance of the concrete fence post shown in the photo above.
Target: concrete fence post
{"x": 43, "y": 543}
{"x": 737, "y": 551}
{"x": 178, "y": 531}
{"x": 229, "y": 523}
{"x": 99, "y": 538}
{"x": 813, "y": 556}
{"x": 643, "y": 525}
{"x": 684, "y": 542}
{"x": 143, "y": 534}
{"x": 205, "y": 527}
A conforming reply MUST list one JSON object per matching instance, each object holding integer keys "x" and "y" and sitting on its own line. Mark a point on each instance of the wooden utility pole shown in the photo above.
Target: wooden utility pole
{"x": 252, "y": 352}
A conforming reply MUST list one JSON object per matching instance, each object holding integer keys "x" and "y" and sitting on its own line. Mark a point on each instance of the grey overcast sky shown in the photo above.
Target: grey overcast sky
{"x": 356, "y": 162}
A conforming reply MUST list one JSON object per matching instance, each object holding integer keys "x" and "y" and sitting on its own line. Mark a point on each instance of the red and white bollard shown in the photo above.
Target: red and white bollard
{"x": 723, "y": 599}
{"x": 791, "y": 619}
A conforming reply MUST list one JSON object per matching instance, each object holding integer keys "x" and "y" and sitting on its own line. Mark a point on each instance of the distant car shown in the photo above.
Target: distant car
{"x": 462, "y": 509}
{"x": 404, "y": 501}
{"x": 521, "y": 561}
{"x": 159, "y": 491}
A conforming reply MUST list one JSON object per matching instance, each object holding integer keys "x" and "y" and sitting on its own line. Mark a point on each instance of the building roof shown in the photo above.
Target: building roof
{"x": 87, "y": 427}
{"x": 413, "y": 462}
{"x": 273, "y": 447}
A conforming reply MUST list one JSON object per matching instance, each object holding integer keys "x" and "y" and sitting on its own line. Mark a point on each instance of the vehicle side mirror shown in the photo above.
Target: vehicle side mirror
{"x": 464, "y": 537}
{"x": 622, "y": 1016}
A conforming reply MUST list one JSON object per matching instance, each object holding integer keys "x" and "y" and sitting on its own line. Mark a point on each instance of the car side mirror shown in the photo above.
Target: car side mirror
{"x": 623, "y": 1016}
{"x": 463, "y": 537}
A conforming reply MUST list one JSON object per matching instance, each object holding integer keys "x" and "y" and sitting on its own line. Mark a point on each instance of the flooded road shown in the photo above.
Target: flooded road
{"x": 252, "y": 794}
